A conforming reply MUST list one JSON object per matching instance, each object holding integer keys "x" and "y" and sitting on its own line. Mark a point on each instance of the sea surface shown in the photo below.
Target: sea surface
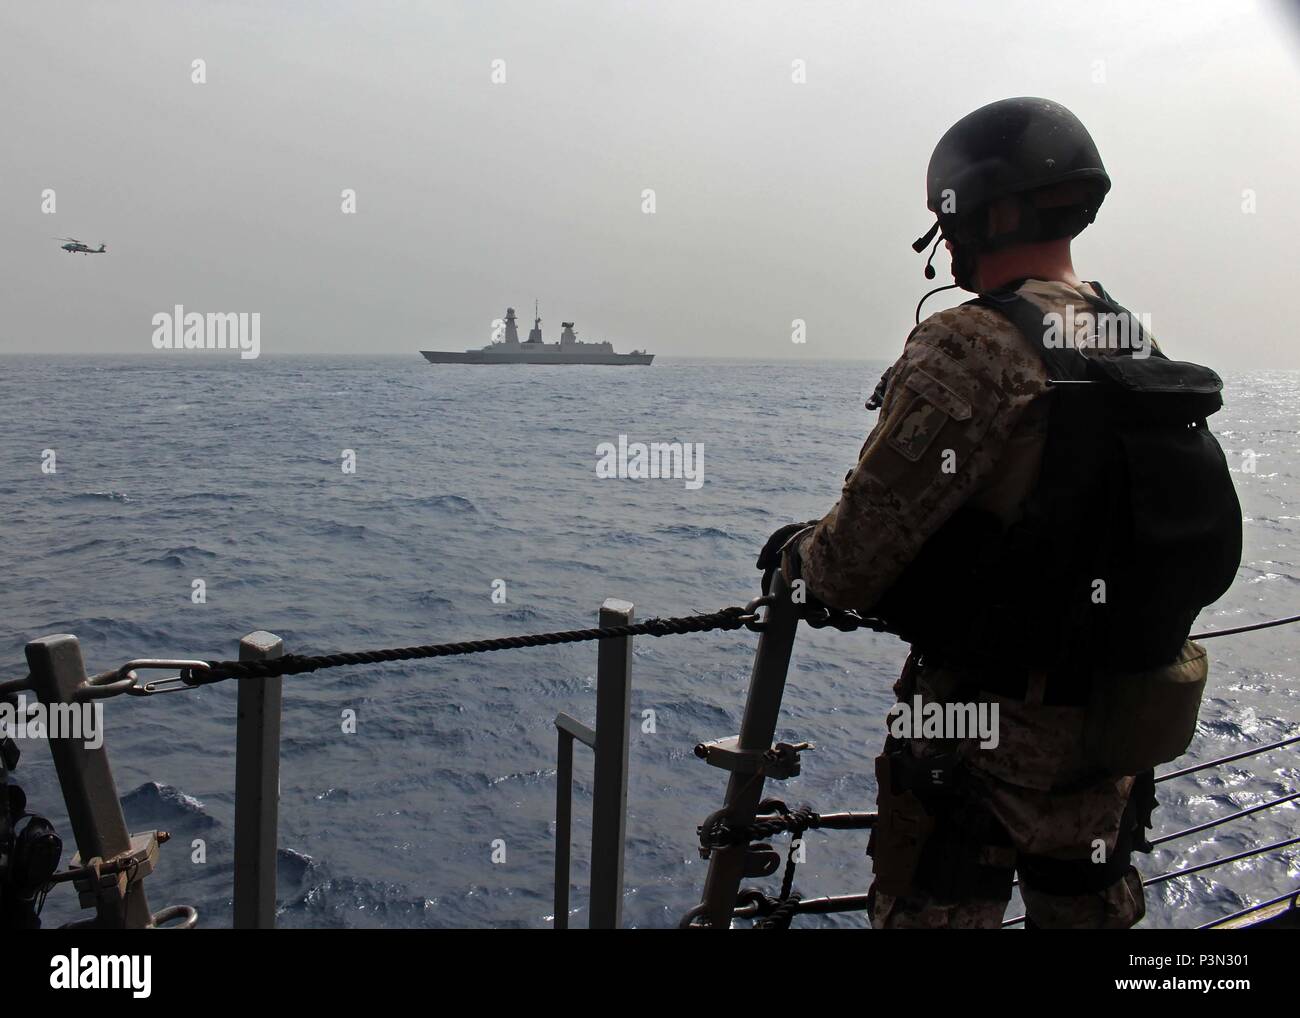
{"x": 197, "y": 466}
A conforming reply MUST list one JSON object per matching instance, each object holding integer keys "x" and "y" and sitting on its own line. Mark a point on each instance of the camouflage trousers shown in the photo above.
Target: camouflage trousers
{"x": 1032, "y": 804}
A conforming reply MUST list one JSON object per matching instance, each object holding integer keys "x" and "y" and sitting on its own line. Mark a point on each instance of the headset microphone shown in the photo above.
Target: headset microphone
{"x": 929, "y": 269}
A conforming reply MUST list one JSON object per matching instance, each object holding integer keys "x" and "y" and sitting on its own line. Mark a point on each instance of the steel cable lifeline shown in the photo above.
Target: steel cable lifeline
{"x": 198, "y": 673}
{"x": 1230, "y": 758}
{"x": 1219, "y": 821}
{"x": 730, "y": 618}
{"x": 724, "y": 619}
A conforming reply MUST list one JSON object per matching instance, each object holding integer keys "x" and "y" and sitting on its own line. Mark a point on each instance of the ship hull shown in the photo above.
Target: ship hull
{"x": 541, "y": 357}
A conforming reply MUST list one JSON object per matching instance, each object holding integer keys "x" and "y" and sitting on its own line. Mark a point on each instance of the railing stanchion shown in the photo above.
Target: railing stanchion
{"x": 757, "y": 729}
{"x": 609, "y": 791}
{"x": 563, "y": 827}
{"x": 257, "y": 786}
{"x": 89, "y": 791}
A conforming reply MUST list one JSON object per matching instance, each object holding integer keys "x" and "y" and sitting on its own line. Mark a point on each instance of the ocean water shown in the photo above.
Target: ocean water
{"x": 200, "y": 467}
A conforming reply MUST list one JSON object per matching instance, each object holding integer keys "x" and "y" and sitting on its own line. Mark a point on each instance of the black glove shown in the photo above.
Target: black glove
{"x": 769, "y": 559}
{"x": 877, "y": 399}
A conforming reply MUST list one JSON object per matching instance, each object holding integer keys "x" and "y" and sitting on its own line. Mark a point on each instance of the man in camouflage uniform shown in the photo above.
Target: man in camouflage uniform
{"x": 963, "y": 423}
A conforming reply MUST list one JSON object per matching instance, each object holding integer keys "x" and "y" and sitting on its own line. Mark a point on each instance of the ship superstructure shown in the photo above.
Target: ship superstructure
{"x": 535, "y": 350}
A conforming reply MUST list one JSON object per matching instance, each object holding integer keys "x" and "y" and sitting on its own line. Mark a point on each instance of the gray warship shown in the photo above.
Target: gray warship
{"x": 533, "y": 350}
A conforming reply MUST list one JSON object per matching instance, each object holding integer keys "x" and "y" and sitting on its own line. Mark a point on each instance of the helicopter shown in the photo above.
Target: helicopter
{"x": 73, "y": 244}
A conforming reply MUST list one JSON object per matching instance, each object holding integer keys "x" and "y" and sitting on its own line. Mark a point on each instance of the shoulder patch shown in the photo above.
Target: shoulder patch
{"x": 917, "y": 428}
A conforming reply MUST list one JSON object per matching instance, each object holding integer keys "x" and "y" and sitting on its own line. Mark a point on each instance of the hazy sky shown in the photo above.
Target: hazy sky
{"x": 774, "y": 200}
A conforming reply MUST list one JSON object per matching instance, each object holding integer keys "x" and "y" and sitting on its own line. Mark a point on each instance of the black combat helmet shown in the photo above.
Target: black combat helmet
{"x": 1013, "y": 147}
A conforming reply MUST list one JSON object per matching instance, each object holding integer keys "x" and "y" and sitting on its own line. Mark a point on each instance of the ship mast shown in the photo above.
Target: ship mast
{"x": 535, "y": 335}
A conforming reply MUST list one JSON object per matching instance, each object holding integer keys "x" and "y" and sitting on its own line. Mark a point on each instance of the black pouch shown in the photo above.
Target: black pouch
{"x": 1136, "y": 720}
{"x": 902, "y": 829}
{"x": 1176, "y": 537}
{"x": 969, "y": 856}
{"x": 1184, "y": 520}
{"x": 37, "y": 849}
{"x": 1158, "y": 389}
{"x": 30, "y": 850}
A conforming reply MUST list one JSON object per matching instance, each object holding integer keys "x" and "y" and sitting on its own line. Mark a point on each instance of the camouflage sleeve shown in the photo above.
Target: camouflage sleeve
{"x": 954, "y": 397}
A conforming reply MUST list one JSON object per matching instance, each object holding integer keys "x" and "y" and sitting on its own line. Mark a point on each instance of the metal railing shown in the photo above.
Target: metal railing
{"x": 111, "y": 862}
{"x": 609, "y": 743}
{"x": 747, "y": 759}
{"x": 58, "y": 676}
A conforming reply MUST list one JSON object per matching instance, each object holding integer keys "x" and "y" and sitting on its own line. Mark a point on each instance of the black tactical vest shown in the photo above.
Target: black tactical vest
{"x": 1133, "y": 527}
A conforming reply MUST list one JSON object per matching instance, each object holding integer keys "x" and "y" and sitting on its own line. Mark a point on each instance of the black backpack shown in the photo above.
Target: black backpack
{"x": 1132, "y": 529}
{"x": 30, "y": 849}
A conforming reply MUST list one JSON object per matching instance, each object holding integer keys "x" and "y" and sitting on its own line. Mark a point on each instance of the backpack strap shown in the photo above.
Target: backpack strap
{"x": 1107, "y": 303}
{"x": 1100, "y": 291}
{"x": 1064, "y": 363}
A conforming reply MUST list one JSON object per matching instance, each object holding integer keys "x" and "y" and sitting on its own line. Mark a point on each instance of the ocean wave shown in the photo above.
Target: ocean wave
{"x": 524, "y": 777}
{"x": 457, "y": 504}
{"x": 291, "y": 865}
{"x": 166, "y": 804}
{"x": 100, "y": 496}
{"x": 332, "y": 528}
{"x": 520, "y": 614}
{"x": 349, "y": 902}
{"x": 178, "y": 557}
{"x": 211, "y": 496}
{"x": 691, "y": 531}
{"x": 75, "y": 549}
{"x": 98, "y": 630}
